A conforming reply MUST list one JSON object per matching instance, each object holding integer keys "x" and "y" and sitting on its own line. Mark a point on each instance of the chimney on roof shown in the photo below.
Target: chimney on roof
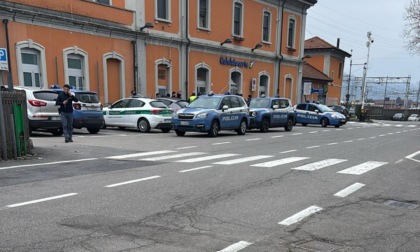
{"x": 338, "y": 42}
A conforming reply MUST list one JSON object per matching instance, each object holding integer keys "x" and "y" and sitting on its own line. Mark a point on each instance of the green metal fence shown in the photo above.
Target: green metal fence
{"x": 15, "y": 124}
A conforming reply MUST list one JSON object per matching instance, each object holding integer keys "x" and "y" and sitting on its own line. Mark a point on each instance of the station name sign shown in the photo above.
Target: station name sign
{"x": 233, "y": 62}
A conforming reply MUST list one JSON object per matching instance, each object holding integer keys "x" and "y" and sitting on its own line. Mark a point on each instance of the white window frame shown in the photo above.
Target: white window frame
{"x": 294, "y": 32}
{"x": 205, "y": 66}
{"x": 119, "y": 57}
{"x": 236, "y": 69}
{"x": 269, "y": 27}
{"x": 168, "y": 14}
{"x": 169, "y": 66}
{"x": 30, "y": 44}
{"x": 241, "y": 35}
{"x": 85, "y": 64}
{"x": 208, "y": 16}
{"x": 267, "y": 89}
{"x": 110, "y": 2}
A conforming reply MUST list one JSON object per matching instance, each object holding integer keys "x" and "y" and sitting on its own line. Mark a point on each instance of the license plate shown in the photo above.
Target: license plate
{"x": 55, "y": 118}
{"x": 167, "y": 120}
{"x": 184, "y": 123}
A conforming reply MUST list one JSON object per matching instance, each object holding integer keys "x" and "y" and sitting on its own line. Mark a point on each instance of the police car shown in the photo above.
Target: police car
{"x": 313, "y": 113}
{"x": 141, "y": 113}
{"x": 212, "y": 113}
{"x": 268, "y": 113}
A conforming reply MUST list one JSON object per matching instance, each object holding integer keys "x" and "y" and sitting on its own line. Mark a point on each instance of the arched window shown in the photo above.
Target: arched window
{"x": 163, "y": 77}
{"x": 31, "y": 62}
{"x": 263, "y": 86}
{"x": 202, "y": 78}
{"x": 235, "y": 84}
{"x": 291, "y": 32}
{"x": 76, "y": 68}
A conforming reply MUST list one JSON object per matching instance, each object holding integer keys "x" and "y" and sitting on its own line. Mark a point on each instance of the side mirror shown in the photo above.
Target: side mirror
{"x": 225, "y": 107}
{"x": 275, "y": 106}
{"x": 317, "y": 111}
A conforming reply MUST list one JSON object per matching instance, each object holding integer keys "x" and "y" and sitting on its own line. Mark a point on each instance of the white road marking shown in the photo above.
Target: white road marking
{"x": 173, "y": 156}
{"x": 242, "y": 160}
{"x": 390, "y": 133}
{"x": 300, "y": 216}
{"x": 221, "y": 143}
{"x": 411, "y": 156}
{"x": 411, "y": 126}
{"x": 372, "y": 137}
{"x": 277, "y": 136}
{"x": 141, "y": 154}
{"x": 360, "y": 139}
{"x": 132, "y": 181}
{"x": 338, "y": 129}
{"x": 349, "y": 190}
{"x": 253, "y": 139}
{"x": 332, "y": 143}
{"x": 319, "y": 165}
{"x": 236, "y": 247}
{"x": 193, "y": 160}
{"x": 50, "y": 163}
{"x": 186, "y": 147}
{"x": 362, "y": 168}
{"x": 284, "y": 152}
{"x": 280, "y": 162}
{"x": 313, "y": 132}
{"x": 312, "y": 147}
{"x": 349, "y": 128}
{"x": 296, "y": 134}
{"x": 325, "y": 130}
{"x": 398, "y": 125}
{"x": 348, "y": 141}
{"x": 42, "y": 200}
{"x": 398, "y": 132}
{"x": 198, "y": 168}
{"x": 399, "y": 161}
{"x": 382, "y": 135}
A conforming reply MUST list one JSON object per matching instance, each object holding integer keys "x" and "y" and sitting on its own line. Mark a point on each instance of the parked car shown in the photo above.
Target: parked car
{"x": 141, "y": 113}
{"x": 414, "y": 117}
{"x": 42, "y": 112}
{"x": 212, "y": 113}
{"x": 268, "y": 113}
{"x": 398, "y": 117}
{"x": 341, "y": 109}
{"x": 352, "y": 111}
{"x": 174, "y": 103}
{"x": 87, "y": 112}
{"x": 313, "y": 113}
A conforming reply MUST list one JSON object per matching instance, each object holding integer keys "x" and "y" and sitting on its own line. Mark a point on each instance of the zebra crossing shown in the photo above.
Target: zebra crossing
{"x": 270, "y": 161}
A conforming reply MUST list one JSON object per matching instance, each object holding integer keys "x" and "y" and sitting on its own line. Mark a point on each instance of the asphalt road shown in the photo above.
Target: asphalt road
{"x": 355, "y": 188}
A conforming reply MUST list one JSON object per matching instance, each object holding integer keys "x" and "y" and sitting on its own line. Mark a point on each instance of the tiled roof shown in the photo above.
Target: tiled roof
{"x": 310, "y": 72}
{"x": 316, "y": 43}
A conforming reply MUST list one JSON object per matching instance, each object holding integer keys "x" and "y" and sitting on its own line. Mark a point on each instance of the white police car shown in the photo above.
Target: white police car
{"x": 268, "y": 113}
{"x": 313, "y": 113}
{"x": 212, "y": 113}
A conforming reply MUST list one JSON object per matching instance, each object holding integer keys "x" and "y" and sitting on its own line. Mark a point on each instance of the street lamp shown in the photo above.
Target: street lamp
{"x": 368, "y": 43}
{"x": 227, "y": 41}
{"x": 259, "y": 45}
{"x": 146, "y": 25}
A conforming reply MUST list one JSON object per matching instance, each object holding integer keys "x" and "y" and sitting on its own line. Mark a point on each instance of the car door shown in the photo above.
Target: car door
{"x": 314, "y": 114}
{"x": 302, "y": 113}
{"x": 132, "y": 112}
{"x": 226, "y": 114}
{"x": 280, "y": 109}
{"x": 115, "y": 114}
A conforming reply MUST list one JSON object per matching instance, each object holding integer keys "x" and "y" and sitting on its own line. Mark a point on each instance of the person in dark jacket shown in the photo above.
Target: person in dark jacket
{"x": 65, "y": 100}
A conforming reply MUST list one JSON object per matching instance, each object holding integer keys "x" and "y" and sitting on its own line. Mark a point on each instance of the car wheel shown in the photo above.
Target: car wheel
{"x": 143, "y": 126}
{"x": 289, "y": 125}
{"x": 103, "y": 126}
{"x": 265, "y": 125}
{"x": 93, "y": 130}
{"x": 180, "y": 133}
{"x": 166, "y": 130}
{"x": 214, "y": 129}
{"x": 242, "y": 128}
{"x": 324, "y": 122}
{"x": 337, "y": 126}
{"x": 304, "y": 124}
{"x": 121, "y": 128}
{"x": 57, "y": 132}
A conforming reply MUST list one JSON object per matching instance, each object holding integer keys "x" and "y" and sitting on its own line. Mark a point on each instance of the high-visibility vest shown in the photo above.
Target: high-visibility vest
{"x": 192, "y": 98}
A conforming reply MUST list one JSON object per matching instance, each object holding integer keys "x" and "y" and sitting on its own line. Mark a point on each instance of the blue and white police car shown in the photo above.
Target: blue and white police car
{"x": 212, "y": 113}
{"x": 268, "y": 113}
{"x": 313, "y": 113}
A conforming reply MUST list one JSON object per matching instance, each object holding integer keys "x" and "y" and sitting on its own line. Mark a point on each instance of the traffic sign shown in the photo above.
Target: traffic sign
{"x": 3, "y": 59}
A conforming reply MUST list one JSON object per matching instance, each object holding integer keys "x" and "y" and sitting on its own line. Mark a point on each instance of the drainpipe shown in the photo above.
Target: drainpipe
{"x": 187, "y": 49}
{"x": 9, "y": 75}
{"x": 135, "y": 67}
{"x": 280, "y": 55}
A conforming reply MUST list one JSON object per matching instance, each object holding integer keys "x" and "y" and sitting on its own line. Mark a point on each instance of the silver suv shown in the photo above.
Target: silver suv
{"x": 42, "y": 111}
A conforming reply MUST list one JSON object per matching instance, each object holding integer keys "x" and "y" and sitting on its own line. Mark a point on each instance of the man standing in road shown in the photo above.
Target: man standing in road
{"x": 65, "y": 100}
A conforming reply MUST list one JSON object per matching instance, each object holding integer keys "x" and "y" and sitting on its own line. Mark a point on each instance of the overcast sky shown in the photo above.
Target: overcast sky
{"x": 350, "y": 20}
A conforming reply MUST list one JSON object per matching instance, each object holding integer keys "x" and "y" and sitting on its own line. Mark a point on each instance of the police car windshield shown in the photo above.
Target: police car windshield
{"x": 324, "y": 108}
{"x": 259, "y": 103}
{"x": 205, "y": 102}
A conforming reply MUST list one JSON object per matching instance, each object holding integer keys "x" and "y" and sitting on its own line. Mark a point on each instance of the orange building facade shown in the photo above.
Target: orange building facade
{"x": 248, "y": 47}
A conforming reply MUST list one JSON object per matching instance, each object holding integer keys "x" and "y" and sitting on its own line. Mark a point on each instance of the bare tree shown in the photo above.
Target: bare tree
{"x": 412, "y": 26}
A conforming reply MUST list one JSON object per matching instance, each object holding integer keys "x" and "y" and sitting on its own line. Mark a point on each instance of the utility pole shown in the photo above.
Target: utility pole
{"x": 368, "y": 43}
{"x": 418, "y": 95}
{"x": 348, "y": 86}
{"x": 407, "y": 92}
